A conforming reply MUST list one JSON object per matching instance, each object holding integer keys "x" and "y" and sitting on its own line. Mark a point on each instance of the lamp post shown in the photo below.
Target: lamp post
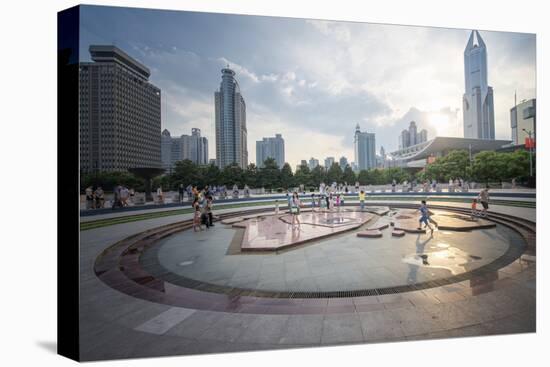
{"x": 530, "y": 152}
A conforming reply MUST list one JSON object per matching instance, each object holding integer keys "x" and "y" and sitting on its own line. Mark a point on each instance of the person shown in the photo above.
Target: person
{"x": 160, "y": 195}
{"x": 425, "y": 217}
{"x": 342, "y": 200}
{"x": 474, "y": 209}
{"x": 197, "y": 215}
{"x": 484, "y": 199}
{"x": 277, "y": 206}
{"x": 181, "y": 191}
{"x": 312, "y": 201}
{"x": 132, "y": 193}
{"x": 288, "y": 200}
{"x": 124, "y": 195}
{"x": 393, "y": 183}
{"x": 362, "y": 200}
{"x": 295, "y": 209}
{"x": 116, "y": 197}
{"x": 322, "y": 203}
{"x": 328, "y": 199}
{"x": 209, "y": 205}
{"x": 338, "y": 202}
{"x": 89, "y": 197}
{"x": 99, "y": 197}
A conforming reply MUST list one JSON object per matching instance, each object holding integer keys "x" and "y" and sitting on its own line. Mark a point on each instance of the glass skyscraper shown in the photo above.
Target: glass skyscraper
{"x": 270, "y": 148}
{"x": 231, "y": 145}
{"x": 365, "y": 149}
{"x": 478, "y": 106}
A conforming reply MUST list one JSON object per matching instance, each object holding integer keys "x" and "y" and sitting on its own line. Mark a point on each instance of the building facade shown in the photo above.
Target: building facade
{"x": 329, "y": 161}
{"x": 343, "y": 162}
{"x": 313, "y": 163}
{"x": 119, "y": 113}
{"x": 365, "y": 149}
{"x": 272, "y": 147}
{"x": 522, "y": 120}
{"x": 477, "y": 101}
{"x": 411, "y": 136}
{"x": 192, "y": 147}
{"x": 230, "y": 115}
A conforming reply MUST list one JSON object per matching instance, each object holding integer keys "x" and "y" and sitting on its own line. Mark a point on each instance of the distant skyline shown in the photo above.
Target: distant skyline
{"x": 312, "y": 80}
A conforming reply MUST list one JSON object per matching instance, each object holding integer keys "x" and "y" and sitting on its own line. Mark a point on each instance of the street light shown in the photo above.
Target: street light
{"x": 530, "y": 152}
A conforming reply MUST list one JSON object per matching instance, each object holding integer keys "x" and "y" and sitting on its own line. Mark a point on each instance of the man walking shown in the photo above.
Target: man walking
{"x": 484, "y": 199}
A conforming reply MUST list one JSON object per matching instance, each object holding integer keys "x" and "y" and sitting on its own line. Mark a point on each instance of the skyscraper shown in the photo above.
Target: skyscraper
{"x": 230, "y": 113}
{"x": 328, "y": 162}
{"x": 365, "y": 153}
{"x": 119, "y": 113}
{"x": 478, "y": 106}
{"x": 313, "y": 163}
{"x": 412, "y": 133}
{"x": 343, "y": 162}
{"x": 192, "y": 147}
{"x": 410, "y": 136}
{"x": 270, "y": 148}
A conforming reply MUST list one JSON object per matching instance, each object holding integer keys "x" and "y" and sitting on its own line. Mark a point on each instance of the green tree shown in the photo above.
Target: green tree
{"x": 211, "y": 174}
{"x": 231, "y": 175}
{"x": 187, "y": 173}
{"x": 334, "y": 174}
{"x": 303, "y": 176}
{"x": 489, "y": 166}
{"x": 349, "y": 176}
{"x": 318, "y": 175}
{"x": 363, "y": 177}
{"x": 287, "y": 178}
{"x": 251, "y": 175}
{"x": 270, "y": 175}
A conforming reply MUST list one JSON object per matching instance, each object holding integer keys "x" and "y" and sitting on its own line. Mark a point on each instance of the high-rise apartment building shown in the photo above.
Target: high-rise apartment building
{"x": 328, "y": 162}
{"x": 343, "y": 162}
{"x": 230, "y": 114}
{"x": 272, "y": 147}
{"x": 192, "y": 147}
{"x": 410, "y": 136}
{"x": 313, "y": 163}
{"x": 119, "y": 113}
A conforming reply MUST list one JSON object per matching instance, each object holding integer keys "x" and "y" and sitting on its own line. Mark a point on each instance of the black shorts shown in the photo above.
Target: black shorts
{"x": 485, "y": 205}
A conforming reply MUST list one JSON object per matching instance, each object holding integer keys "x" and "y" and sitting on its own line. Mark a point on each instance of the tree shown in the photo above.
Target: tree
{"x": 231, "y": 175}
{"x": 287, "y": 179}
{"x": 303, "y": 176}
{"x": 211, "y": 174}
{"x": 349, "y": 176}
{"x": 334, "y": 174}
{"x": 270, "y": 175}
{"x": 251, "y": 175}
{"x": 186, "y": 172}
{"x": 488, "y": 166}
{"x": 363, "y": 177}
{"x": 317, "y": 176}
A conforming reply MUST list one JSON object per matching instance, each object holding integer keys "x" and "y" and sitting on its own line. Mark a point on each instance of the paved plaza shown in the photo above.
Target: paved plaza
{"x": 154, "y": 287}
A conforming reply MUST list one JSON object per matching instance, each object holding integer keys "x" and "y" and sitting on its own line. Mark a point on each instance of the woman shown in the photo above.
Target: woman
{"x": 197, "y": 215}
{"x": 295, "y": 209}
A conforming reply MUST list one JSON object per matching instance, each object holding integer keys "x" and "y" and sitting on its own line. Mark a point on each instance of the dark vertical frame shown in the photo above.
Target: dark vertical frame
{"x": 68, "y": 231}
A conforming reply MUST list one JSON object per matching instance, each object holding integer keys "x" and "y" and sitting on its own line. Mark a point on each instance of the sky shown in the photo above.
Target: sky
{"x": 312, "y": 81}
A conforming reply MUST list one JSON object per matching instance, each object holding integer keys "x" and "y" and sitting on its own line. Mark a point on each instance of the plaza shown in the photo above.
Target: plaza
{"x": 151, "y": 286}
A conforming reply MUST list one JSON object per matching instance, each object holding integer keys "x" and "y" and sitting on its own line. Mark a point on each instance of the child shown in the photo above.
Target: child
{"x": 425, "y": 218}
{"x": 475, "y": 213}
{"x": 362, "y": 200}
{"x": 197, "y": 215}
{"x": 338, "y": 201}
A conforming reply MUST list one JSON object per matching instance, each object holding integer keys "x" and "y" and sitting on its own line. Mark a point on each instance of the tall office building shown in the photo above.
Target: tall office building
{"x": 313, "y": 163}
{"x": 328, "y": 162}
{"x": 523, "y": 119}
{"x": 119, "y": 113}
{"x": 412, "y": 133}
{"x": 478, "y": 106}
{"x": 365, "y": 153}
{"x": 410, "y": 136}
{"x": 422, "y": 136}
{"x": 270, "y": 148}
{"x": 192, "y": 147}
{"x": 230, "y": 112}
{"x": 343, "y": 162}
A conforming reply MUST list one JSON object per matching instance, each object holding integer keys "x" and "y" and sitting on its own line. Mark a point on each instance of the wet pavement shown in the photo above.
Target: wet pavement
{"x": 117, "y": 325}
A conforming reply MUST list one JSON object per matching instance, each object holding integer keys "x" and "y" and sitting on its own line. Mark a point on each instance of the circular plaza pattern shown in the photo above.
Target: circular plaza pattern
{"x": 259, "y": 254}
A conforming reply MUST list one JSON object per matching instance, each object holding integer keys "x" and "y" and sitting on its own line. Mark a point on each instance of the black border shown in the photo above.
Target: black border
{"x": 68, "y": 268}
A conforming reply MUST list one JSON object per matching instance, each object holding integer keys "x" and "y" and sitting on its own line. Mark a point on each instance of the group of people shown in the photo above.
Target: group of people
{"x": 95, "y": 199}
{"x": 482, "y": 198}
{"x": 327, "y": 201}
{"x": 203, "y": 203}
